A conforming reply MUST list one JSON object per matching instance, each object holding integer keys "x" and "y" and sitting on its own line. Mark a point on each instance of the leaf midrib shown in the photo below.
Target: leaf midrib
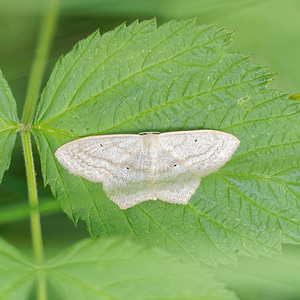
{"x": 142, "y": 71}
{"x": 149, "y": 111}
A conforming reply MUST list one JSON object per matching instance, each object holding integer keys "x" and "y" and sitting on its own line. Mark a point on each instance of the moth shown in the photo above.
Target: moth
{"x": 138, "y": 167}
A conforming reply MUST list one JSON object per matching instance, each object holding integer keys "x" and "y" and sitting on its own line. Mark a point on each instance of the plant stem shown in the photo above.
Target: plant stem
{"x": 34, "y": 85}
{"x": 34, "y": 215}
{"x": 39, "y": 62}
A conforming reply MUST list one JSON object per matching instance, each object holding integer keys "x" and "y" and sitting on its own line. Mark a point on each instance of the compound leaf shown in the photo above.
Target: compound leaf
{"x": 118, "y": 269}
{"x": 16, "y": 272}
{"x": 108, "y": 269}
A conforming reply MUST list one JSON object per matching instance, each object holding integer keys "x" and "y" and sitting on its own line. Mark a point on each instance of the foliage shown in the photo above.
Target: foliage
{"x": 141, "y": 77}
{"x": 179, "y": 76}
{"x": 8, "y": 124}
{"x": 108, "y": 269}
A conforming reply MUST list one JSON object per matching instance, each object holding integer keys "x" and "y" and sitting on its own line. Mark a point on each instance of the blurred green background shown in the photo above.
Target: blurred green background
{"x": 268, "y": 29}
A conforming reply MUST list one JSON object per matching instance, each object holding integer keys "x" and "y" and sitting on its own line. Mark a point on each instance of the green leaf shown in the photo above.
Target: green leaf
{"x": 17, "y": 212}
{"x": 108, "y": 269}
{"x": 116, "y": 269}
{"x": 8, "y": 125}
{"x": 17, "y": 273}
{"x": 178, "y": 77}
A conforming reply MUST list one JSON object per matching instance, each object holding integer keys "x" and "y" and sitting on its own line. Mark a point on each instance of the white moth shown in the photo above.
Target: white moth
{"x": 148, "y": 166}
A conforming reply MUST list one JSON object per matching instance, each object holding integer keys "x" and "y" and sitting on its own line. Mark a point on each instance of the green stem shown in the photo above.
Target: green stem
{"x": 34, "y": 85}
{"x": 34, "y": 215}
{"x": 39, "y": 62}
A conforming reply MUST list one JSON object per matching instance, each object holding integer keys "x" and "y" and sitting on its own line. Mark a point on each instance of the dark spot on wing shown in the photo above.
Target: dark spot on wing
{"x": 127, "y": 168}
{"x": 196, "y": 140}
{"x": 175, "y": 165}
